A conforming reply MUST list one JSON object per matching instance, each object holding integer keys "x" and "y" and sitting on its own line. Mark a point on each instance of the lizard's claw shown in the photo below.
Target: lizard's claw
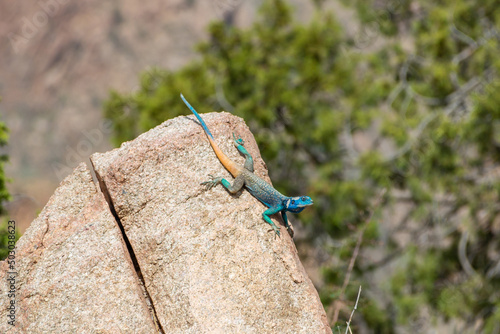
{"x": 276, "y": 230}
{"x": 238, "y": 141}
{"x": 210, "y": 183}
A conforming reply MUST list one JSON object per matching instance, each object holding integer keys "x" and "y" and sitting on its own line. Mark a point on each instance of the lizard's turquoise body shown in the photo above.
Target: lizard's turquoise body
{"x": 244, "y": 176}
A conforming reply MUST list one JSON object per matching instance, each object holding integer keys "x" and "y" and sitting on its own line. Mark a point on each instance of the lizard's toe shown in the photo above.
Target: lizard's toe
{"x": 208, "y": 184}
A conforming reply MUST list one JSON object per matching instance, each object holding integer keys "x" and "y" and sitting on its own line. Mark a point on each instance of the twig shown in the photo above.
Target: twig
{"x": 352, "y": 313}
{"x": 460, "y": 35}
{"x": 221, "y": 97}
{"x": 462, "y": 254}
{"x": 352, "y": 153}
{"x": 338, "y": 302}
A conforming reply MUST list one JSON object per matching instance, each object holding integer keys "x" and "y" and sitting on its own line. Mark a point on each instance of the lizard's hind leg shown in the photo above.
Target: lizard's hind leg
{"x": 238, "y": 183}
{"x": 248, "y": 158}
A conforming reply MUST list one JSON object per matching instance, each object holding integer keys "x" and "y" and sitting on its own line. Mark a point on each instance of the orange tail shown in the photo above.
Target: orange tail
{"x": 232, "y": 167}
{"x": 229, "y": 164}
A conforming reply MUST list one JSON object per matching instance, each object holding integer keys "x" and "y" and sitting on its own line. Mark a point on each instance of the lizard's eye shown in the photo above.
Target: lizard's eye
{"x": 303, "y": 198}
{"x": 293, "y": 201}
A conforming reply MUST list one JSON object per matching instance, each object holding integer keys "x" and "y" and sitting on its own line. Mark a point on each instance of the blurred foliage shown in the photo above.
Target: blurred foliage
{"x": 409, "y": 103}
{"x": 4, "y": 194}
{"x": 5, "y": 233}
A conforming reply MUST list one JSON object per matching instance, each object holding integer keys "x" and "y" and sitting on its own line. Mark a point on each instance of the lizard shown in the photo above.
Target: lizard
{"x": 244, "y": 177}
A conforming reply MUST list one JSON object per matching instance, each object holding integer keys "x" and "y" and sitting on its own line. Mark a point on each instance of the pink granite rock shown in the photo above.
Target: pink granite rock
{"x": 210, "y": 262}
{"x": 150, "y": 250}
{"x": 74, "y": 273}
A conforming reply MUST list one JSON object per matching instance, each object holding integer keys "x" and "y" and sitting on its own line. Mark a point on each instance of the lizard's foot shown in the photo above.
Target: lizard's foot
{"x": 212, "y": 182}
{"x": 289, "y": 228}
{"x": 276, "y": 230}
{"x": 238, "y": 141}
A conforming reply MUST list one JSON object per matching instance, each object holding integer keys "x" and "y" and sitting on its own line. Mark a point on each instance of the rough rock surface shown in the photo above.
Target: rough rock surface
{"x": 74, "y": 274}
{"x": 206, "y": 260}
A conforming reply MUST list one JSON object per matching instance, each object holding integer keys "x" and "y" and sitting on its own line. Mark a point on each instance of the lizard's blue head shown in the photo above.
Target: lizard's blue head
{"x": 297, "y": 204}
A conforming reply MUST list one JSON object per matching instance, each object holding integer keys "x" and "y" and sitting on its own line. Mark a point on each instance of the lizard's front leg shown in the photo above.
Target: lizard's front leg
{"x": 287, "y": 224}
{"x": 269, "y": 212}
{"x": 232, "y": 188}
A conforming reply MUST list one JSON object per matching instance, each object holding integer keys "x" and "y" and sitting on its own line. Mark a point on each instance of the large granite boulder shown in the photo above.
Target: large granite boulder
{"x": 149, "y": 250}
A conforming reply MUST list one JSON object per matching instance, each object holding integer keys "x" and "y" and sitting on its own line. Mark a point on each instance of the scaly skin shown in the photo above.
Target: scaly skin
{"x": 244, "y": 176}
